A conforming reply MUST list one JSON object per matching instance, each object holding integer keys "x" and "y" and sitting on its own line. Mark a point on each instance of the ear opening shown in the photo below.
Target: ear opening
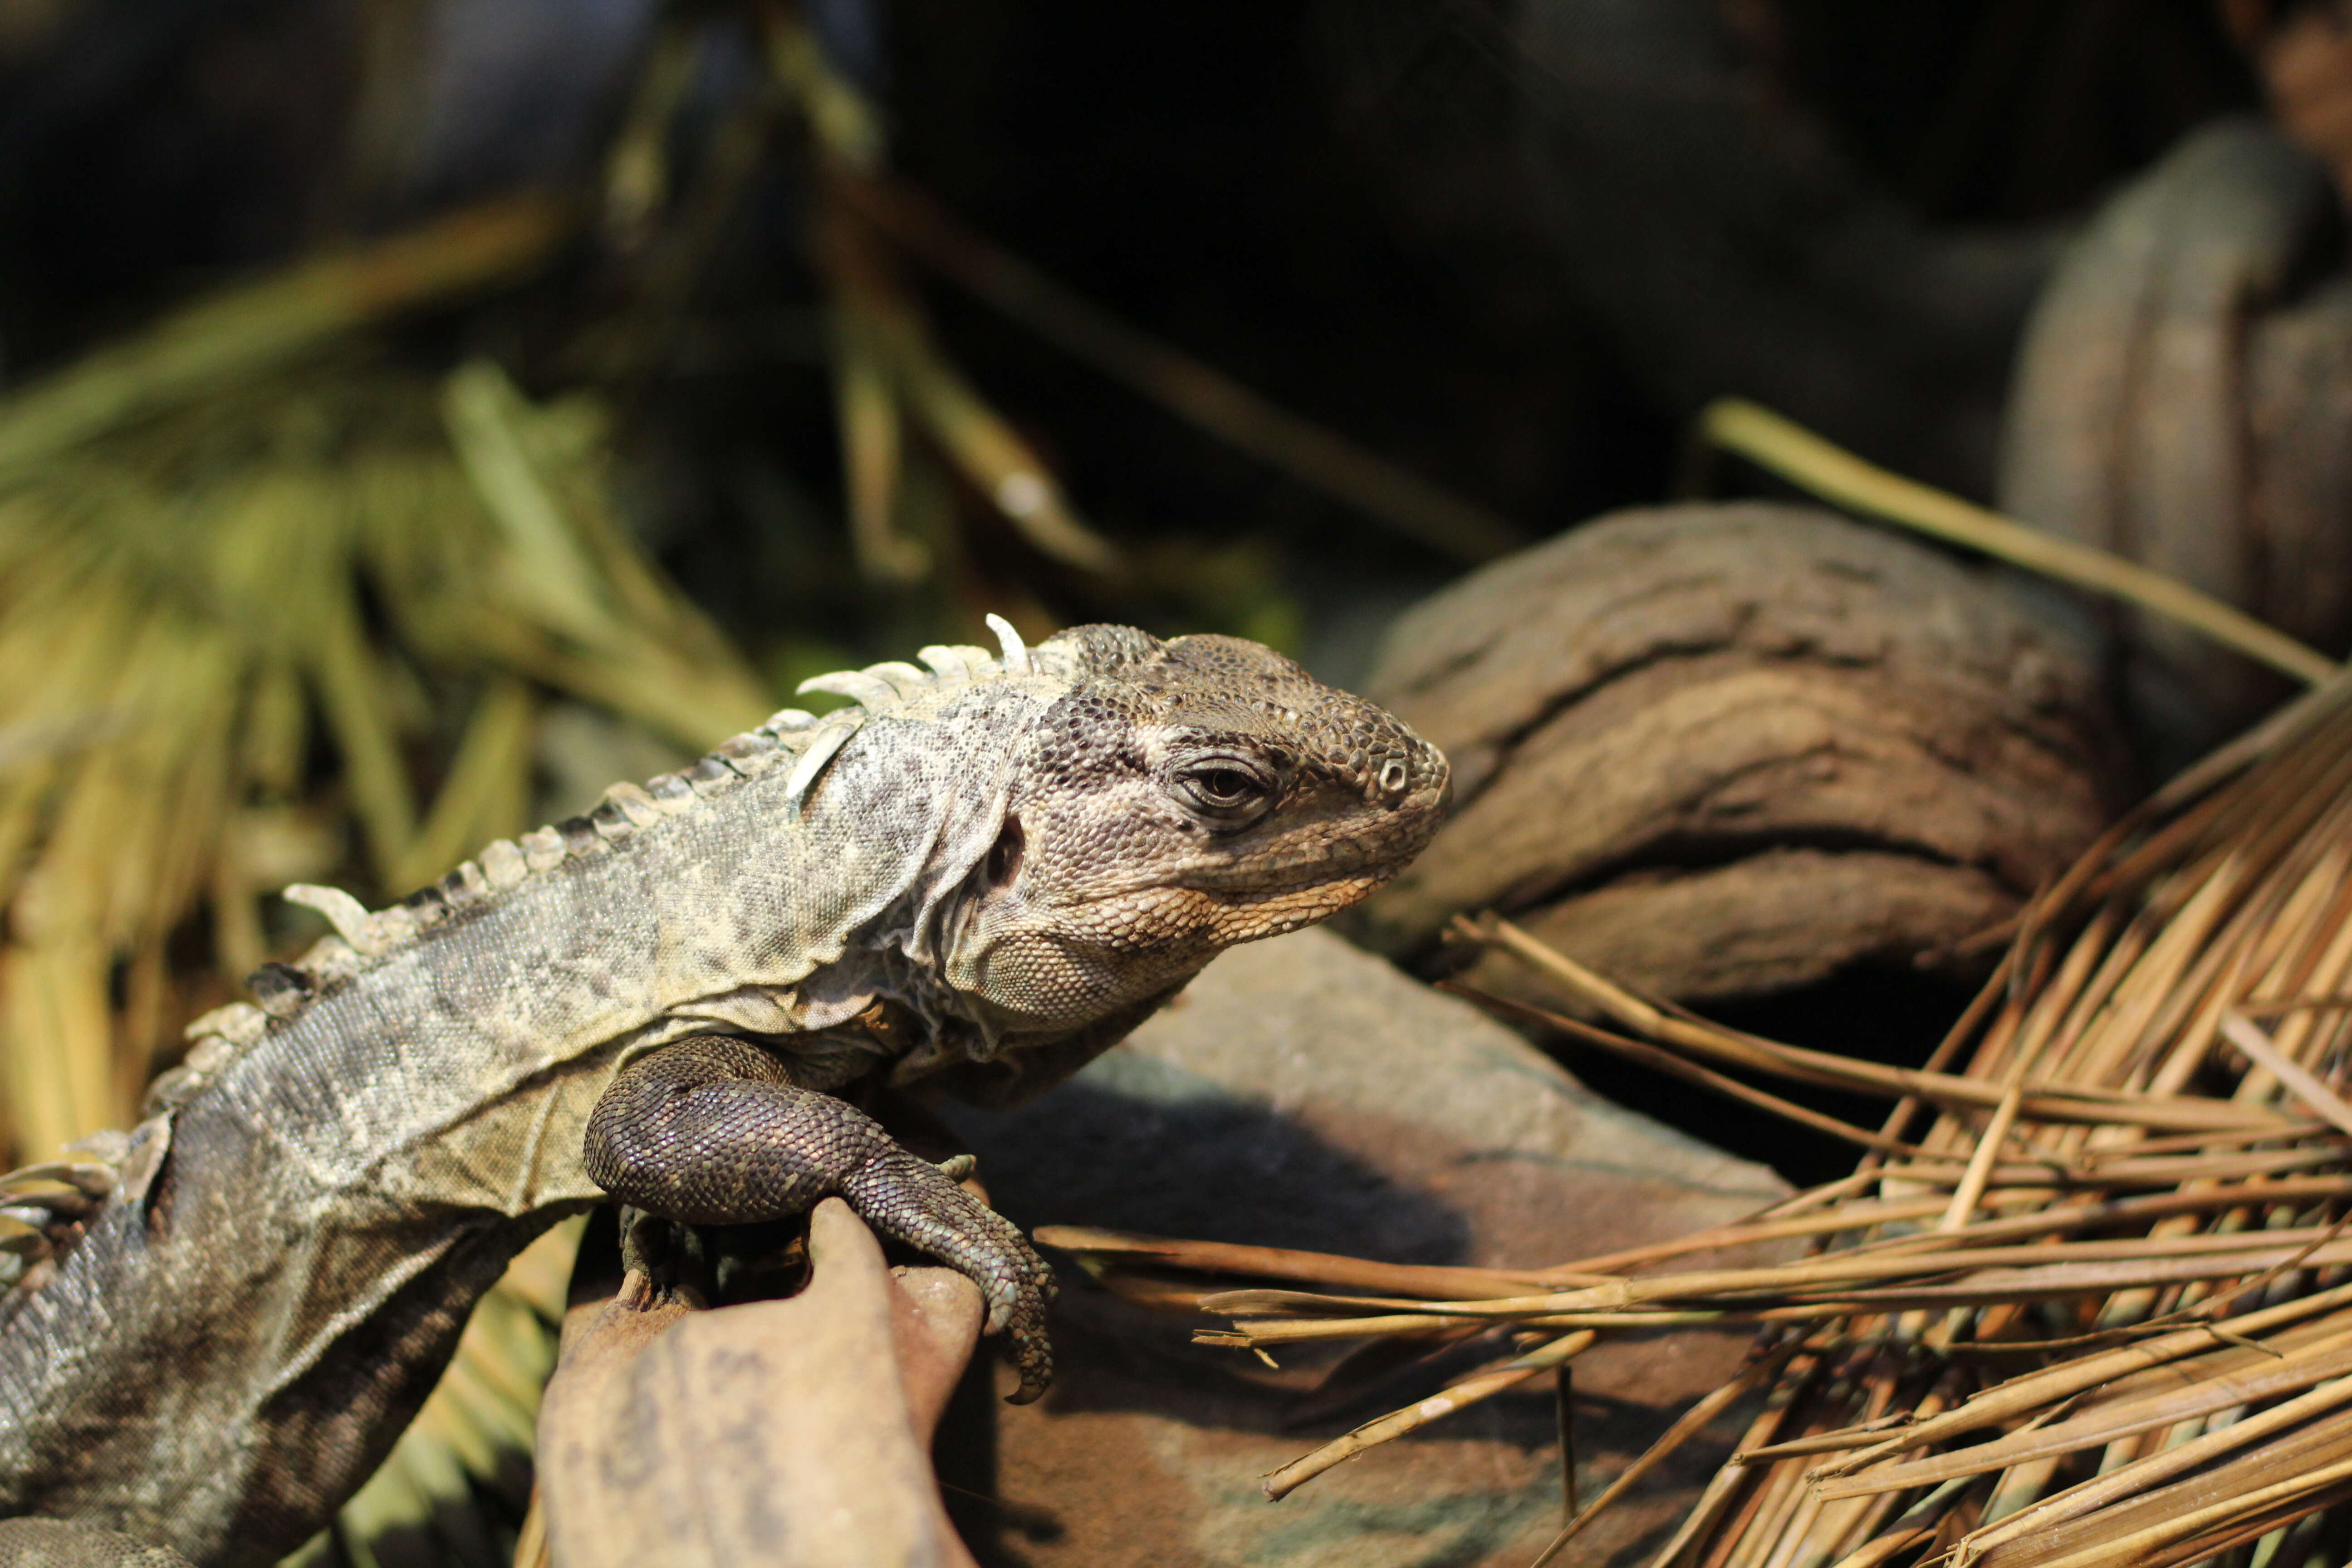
{"x": 1003, "y": 862}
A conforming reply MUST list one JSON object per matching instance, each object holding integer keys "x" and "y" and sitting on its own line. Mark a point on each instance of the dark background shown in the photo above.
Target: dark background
{"x": 1513, "y": 247}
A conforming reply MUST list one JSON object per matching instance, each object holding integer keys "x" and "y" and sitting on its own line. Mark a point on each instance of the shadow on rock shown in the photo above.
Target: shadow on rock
{"x": 1144, "y": 1146}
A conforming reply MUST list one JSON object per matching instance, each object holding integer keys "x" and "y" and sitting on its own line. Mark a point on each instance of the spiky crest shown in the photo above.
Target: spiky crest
{"x": 363, "y": 937}
{"x": 43, "y": 1206}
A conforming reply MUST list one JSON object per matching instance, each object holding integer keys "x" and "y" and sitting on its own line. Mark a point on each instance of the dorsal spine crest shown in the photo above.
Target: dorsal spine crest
{"x": 363, "y": 938}
{"x": 49, "y": 1200}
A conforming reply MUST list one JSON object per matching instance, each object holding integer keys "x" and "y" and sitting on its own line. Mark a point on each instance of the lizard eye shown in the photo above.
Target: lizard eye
{"x": 1225, "y": 789}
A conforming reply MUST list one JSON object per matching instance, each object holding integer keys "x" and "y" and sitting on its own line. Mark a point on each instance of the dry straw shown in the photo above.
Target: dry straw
{"x": 269, "y": 535}
{"x": 1785, "y": 448}
{"x": 2087, "y": 1302}
{"x": 250, "y": 574}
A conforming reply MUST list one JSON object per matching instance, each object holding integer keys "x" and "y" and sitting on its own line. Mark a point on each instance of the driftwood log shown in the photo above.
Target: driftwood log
{"x": 1724, "y": 750}
{"x": 2184, "y": 398}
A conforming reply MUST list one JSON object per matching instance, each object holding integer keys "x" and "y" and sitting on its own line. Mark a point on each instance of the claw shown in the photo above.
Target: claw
{"x": 1035, "y": 1361}
{"x": 919, "y": 1203}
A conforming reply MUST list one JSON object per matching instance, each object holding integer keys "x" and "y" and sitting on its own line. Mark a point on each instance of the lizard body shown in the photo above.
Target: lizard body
{"x": 1015, "y": 858}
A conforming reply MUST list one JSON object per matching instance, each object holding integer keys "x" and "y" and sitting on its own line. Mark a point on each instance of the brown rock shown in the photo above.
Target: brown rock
{"x": 1304, "y": 1093}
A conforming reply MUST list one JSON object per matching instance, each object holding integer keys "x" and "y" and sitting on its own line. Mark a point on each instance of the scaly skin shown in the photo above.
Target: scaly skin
{"x": 712, "y": 1130}
{"x": 975, "y": 883}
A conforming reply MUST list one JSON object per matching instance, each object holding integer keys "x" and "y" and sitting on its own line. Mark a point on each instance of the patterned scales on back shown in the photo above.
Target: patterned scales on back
{"x": 1016, "y": 858}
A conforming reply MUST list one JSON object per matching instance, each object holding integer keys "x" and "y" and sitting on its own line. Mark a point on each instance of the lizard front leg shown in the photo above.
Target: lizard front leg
{"x": 710, "y": 1131}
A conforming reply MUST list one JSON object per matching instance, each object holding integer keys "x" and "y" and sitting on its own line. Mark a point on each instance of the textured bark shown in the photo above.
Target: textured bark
{"x": 2183, "y": 398}
{"x": 1723, "y": 751}
{"x": 1774, "y": 922}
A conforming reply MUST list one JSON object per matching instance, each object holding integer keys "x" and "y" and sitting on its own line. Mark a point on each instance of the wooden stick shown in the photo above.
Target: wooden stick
{"x": 2041, "y": 1102}
{"x": 1284, "y": 1263}
{"x": 1691, "y": 1422}
{"x": 1965, "y": 1196}
{"x": 2032, "y": 1390}
{"x": 1469, "y": 1391}
{"x": 2132, "y": 1548}
{"x": 2145, "y": 1474}
{"x": 2248, "y": 1037}
{"x": 1672, "y": 1066}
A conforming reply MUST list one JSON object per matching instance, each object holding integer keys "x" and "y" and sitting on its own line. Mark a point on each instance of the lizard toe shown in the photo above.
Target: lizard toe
{"x": 914, "y": 1202}
{"x": 1032, "y": 1352}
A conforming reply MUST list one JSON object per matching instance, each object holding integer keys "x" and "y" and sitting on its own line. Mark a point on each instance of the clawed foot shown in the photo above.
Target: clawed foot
{"x": 913, "y": 1201}
{"x": 710, "y": 1131}
{"x": 660, "y": 1262}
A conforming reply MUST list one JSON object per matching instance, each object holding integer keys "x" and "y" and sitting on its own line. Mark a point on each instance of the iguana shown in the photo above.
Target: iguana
{"x": 975, "y": 878}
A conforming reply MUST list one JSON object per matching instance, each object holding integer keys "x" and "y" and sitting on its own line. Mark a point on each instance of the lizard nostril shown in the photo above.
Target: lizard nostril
{"x": 1392, "y": 776}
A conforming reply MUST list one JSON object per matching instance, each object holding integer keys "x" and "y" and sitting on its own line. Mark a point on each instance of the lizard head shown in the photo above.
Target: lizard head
{"x": 1178, "y": 798}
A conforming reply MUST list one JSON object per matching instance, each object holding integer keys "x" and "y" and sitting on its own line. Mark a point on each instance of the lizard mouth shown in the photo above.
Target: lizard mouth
{"x": 1350, "y": 870}
{"x": 1379, "y": 849}
{"x": 1296, "y": 872}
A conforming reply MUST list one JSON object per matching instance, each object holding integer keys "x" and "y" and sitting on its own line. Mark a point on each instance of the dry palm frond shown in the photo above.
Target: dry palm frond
{"x": 341, "y": 548}
{"x": 889, "y": 371}
{"x": 2098, "y": 1310}
{"x": 1203, "y": 396}
{"x": 250, "y": 576}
